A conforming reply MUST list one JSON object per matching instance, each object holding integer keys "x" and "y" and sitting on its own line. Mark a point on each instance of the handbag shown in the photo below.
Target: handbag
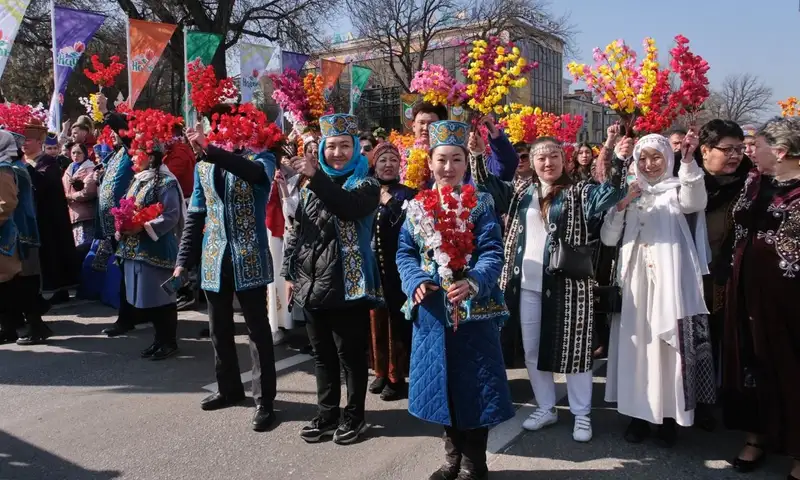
{"x": 571, "y": 261}
{"x": 608, "y": 298}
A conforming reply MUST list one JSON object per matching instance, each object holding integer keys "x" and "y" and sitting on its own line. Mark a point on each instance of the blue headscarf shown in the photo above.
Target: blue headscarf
{"x": 357, "y": 168}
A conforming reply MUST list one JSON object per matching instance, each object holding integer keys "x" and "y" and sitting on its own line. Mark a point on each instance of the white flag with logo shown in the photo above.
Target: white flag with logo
{"x": 254, "y": 61}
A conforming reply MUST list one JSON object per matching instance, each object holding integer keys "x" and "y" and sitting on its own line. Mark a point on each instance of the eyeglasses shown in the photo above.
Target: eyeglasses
{"x": 729, "y": 151}
{"x": 524, "y": 156}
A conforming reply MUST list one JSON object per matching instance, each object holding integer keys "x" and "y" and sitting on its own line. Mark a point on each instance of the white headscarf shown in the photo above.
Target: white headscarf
{"x": 681, "y": 258}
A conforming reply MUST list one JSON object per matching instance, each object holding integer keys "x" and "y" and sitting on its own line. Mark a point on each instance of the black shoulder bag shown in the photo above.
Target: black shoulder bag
{"x": 571, "y": 261}
{"x": 608, "y": 298}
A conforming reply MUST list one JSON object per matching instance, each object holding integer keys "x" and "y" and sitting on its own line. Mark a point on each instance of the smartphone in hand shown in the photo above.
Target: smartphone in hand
{"x": 173, "y": 284}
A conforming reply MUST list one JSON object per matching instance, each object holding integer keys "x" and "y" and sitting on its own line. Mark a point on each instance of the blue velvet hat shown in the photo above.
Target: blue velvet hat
{"x": 50, "y": 140}
{"x": 448, "y": 132}
{"x": 338, "y": 124}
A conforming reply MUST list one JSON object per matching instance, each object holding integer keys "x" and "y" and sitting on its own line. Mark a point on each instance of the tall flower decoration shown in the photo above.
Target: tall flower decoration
{"x": 641, "y": 95}
{"x": 493, "y": 68}
{"x": 204, "y": 89}
{"x": 14, "y": 117}
{"x": 245, "y": 127}
{"x": 149, "y": 130}
{"x": 789, "y": 107}
{"x": 92, "y": 107}
{"x": 104, "y": 76}
{"x": 314, "y": 86}
{"x": 302, "y": 99}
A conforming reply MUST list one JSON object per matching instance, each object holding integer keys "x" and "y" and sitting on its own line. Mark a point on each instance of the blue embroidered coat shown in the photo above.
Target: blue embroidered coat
{"x": 465, "y": 364}
{"x": 117, "y": 177}
{"x": 163, "y": 252}
{"x": 234, "y": 221}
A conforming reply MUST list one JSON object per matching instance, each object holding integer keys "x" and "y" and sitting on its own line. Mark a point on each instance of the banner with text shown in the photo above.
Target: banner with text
{"x": 199, "y": 46}
{"x": 72, "y": 30}
{"x": 146, "y": 43}
{"x": 11, "y": 13}
{"x": 253, "y": 64}
{"x": 358, "y": 82}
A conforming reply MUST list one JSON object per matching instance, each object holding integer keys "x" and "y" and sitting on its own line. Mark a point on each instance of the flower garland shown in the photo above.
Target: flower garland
{"x": 789, "y": 107}
{"x": 441, "y": 217}
{"x": 437, "y": 86}
{"x": 245, "y": 127}
{"x": 204, "y": 89}
{"x": 104, "y": 76}
{"x": 493, "y": 67}
{"x": 149, "y": 130}
{"x": 642, "y": 95}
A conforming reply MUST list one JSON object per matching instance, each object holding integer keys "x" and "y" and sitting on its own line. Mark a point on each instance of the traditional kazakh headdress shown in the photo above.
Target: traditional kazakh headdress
{"x": 448, "y": 132}
{"x": 337, "y": 125}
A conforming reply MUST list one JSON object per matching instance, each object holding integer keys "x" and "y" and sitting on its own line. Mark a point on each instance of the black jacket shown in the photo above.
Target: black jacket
{"x": 311, "y": 257}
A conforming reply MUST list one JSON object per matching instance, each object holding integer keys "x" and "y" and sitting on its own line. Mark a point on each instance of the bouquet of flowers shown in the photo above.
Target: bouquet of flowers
{"x": 789, "y": 107}
{"x": 129, "y": 216}
{"x": 302, "y": 99}
{"x": 441, "y": 218}
{"x": 437, "y": 86}
{"x": 414, "y": 170}
{"x": 204, "y": 89}
{"x": 104, "y": 76}
{"x": 642, "y": 95}
{"x": 245, "y": 127}
{"x": 525, "y": 124}
{"x": 149, "y": 130}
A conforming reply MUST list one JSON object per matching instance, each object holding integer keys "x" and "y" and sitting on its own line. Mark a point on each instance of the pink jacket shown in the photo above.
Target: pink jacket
{"x": 81, "y": 203}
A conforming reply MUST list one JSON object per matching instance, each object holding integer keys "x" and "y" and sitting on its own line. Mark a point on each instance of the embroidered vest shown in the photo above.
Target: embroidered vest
{"x": 8, "y": 231}
{"x": 116, "y": 181}
{"x": 160, "y": 253}
{"x": 237, "y": 225}
{"x": 25, "y": 213}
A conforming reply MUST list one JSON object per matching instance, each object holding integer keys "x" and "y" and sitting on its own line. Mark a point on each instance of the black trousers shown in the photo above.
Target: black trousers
{"x": 165, "y": 322}
{"x": 340, "y": 339}
{"x": 466, "y": 448}
{"x": 22, "y": 293}
{"x": 222, "y": 329}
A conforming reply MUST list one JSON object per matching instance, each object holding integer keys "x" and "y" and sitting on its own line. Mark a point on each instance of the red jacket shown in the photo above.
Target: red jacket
{"x": 180, "y": 160}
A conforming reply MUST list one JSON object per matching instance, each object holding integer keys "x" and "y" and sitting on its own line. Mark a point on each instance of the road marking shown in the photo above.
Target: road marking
{"x": 279, "y": 366}
{"x": 502, "y": 436}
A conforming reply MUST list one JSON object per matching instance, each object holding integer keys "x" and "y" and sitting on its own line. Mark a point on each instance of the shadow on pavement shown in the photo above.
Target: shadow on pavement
{"x": 23, "y": 461}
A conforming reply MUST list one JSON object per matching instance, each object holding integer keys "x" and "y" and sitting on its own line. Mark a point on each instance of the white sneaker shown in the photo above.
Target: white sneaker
{"x": 582, "y": 431}
{"x": 540, "y": 419}
{"x": 278, "y": 337}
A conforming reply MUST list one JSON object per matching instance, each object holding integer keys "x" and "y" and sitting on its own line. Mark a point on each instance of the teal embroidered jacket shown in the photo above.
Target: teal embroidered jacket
{"x": 235, "y": 221}
{"x": 116, "y": 181}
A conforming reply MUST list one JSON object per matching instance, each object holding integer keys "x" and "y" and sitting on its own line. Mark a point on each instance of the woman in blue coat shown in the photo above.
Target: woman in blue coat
{"x": 457, "y": 377}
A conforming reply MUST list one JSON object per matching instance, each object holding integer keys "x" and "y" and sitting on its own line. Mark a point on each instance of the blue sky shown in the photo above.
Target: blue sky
{"x": 761, "y": 37}
{"x": 734, "y": 36}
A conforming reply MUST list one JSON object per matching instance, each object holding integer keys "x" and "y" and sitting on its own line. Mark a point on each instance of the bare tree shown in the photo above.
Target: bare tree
{"x": 402, "y": 31}
{"x": 743, "y": 98}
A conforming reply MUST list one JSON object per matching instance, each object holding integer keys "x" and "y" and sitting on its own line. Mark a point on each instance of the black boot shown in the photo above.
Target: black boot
{"x": 166, "y": 324}
{"x": 393, "y": 391}
{"x": 377, "y": 385}
{"x": 473, "y": 461}
{"x": 637, "y": 431}
{"x": 667, "y": 433}
{"x": 453, "y": 445}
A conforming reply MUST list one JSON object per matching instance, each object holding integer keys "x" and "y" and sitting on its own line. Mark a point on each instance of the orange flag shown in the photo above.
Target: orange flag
{"x": 330, "y": 74}
{"x": 146, "y": 43}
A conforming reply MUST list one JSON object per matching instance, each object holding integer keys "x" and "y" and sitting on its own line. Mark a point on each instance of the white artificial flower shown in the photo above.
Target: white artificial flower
{"x": 445, "y": 273}
{"x": 441, "y": 257}
{"x": 435, "y": 240}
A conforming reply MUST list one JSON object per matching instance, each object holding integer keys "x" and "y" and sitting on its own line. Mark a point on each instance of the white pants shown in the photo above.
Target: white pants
{"x": 579, "y": 385}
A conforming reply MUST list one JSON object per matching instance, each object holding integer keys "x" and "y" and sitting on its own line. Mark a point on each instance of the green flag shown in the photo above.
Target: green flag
{"x": 202, "y": 46}
{"x": 358, "y": 81}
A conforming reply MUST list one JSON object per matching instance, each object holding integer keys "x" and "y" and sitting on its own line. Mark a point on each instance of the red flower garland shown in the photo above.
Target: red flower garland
{"x": 454, "y": 227}
{"x": 204, "y": 89}
{"x": 245, "y": 127}
{"x": 104, "y": 76}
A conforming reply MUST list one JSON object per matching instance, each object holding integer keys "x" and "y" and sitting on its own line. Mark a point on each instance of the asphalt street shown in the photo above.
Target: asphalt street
{"x": 87, "y": 407}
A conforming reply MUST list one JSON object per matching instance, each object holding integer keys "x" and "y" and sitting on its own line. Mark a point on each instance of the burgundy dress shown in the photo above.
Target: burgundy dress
{"x": 762, "y": 324}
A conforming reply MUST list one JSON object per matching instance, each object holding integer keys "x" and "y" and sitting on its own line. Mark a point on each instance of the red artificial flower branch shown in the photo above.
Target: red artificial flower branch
{"x": 204, "y": 89}
{"x": 245, "y": 127}
{"x": 104, "y": 76}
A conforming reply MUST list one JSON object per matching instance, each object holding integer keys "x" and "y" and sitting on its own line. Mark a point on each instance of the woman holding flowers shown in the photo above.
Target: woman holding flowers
{"x": 147, "y": 252}
{"x": 449, "y": 257}
{"x": 390, "y": 347}
{"x": 660, "y": 363}
{"x": 554, "y": 308}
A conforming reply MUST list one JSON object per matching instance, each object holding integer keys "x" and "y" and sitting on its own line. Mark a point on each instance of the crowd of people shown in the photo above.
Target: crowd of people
{"x": 674, "y": 255}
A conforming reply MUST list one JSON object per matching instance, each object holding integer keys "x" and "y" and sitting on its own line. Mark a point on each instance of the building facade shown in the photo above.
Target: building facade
{"x": 596, "y": 117}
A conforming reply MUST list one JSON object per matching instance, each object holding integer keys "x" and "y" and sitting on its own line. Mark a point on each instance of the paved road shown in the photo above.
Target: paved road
{"x": 86, "y": 407}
